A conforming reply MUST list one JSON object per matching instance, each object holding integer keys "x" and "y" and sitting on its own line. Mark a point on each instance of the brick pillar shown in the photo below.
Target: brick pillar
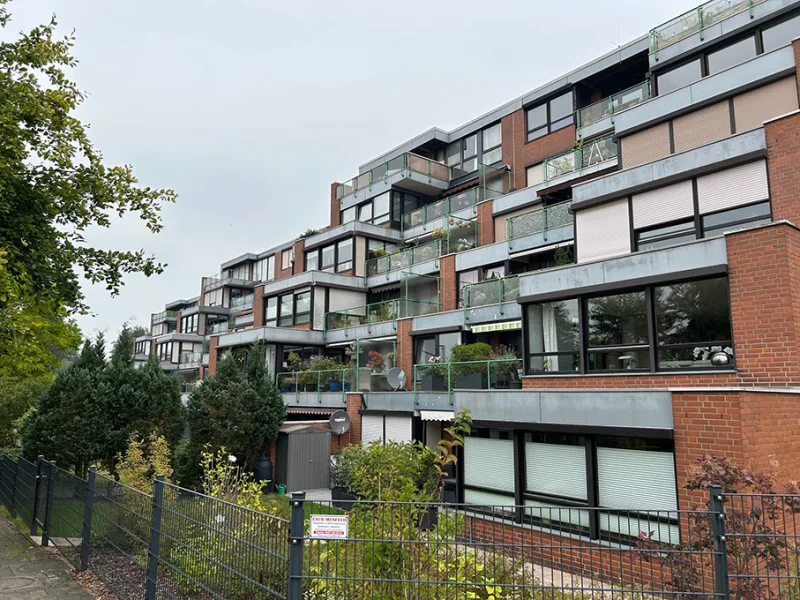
{"x": 299, "y": 256}
{"x": 353, "y": 436}
{"x": 783, "y": 153}
{"x": 336, "y": 207}
{"x": 212, "y": 355}
{"x": 258, "y": 306}
{"x": 405, "y": 350}
{"x": 509, "y": 150}
{"x": 796, "y": 48}
{"x": 448, "y": 283}
{"x": 178, "y": 322}
{"x": 485, "y": 223}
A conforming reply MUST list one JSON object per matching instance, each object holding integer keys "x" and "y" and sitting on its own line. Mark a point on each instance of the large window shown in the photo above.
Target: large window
{"x": 164, "y": 352}
{"x": 729, "y": 56}
{"x": 781, "y": 34}
{"x": 465, "y": 154}
{"x": 264, "y": 269}
{"x": 376, "y": 211}
{"x": 679, "y": 77}
{"x": 336, "y": 257}
{"x": 349, "y": 214}
{"x": 289, "y": 309}
{"x": 677, "y": 326}
{"x": 190, "y": 324}
{"x": 435, "y": 346}
{"x": 553, "y": 337}
{"x": 492, "y": 140}
{"x": 142, "y": 348}
{"x": 549, "y": 116}
{"x": 286, "y": 258}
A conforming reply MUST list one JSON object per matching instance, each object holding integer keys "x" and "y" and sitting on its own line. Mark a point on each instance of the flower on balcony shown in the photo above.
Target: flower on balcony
{"x": 376, "y": 361}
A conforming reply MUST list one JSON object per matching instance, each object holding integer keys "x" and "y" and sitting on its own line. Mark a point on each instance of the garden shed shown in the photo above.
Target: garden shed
{"x": 304, "y": 458}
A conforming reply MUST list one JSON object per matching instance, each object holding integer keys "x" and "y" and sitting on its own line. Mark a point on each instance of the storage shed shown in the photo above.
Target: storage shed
{"x": 304, "y": 458}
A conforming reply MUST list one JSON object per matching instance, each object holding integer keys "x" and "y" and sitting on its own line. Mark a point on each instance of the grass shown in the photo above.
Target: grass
{"x": 310, "y": 508}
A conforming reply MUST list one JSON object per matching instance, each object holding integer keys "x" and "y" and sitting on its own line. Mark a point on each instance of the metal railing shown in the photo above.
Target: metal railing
{"x": 164, "y": 315}
{"x": 409, "y": 162}
{"x": 608, "y": 107}
{"x": 489, "y": 292}
{"x": 338, "y": 381}
{"x": 242, "y": 302}
{"x": 539, "y": 220}
{"x": 170, "y": 542}
{"x": 696, "y": 20}
{"x": 573, "y": 161}
{"x": 379, "y": 312}
{"x": 445, "y": 377}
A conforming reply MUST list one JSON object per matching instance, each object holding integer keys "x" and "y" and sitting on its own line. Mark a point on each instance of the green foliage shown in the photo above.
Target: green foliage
{"x": 18, "y": 398}
{"x": 478, "y": 351}
{"x": 225, "y": 480}
{"x": 394, "y": 471}
{"x": 143, "y": 461}
{"x": 461, "y": 425}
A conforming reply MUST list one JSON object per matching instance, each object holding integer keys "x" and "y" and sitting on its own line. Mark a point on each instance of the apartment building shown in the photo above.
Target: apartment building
{"x": 624, "y": 237}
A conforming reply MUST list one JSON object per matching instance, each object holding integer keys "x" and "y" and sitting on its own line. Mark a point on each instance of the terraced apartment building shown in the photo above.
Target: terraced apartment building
{"x": 624, "y": 237}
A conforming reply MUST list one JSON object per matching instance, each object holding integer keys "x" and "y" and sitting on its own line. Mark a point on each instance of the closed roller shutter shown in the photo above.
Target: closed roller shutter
{"x": 433, "y": 433}
{"x": 535, "y": 174}
{"x": 701, "y": 127}
{"x": 636, "y": 479}
{"x": 603, "y": 231}
{"x": 371, "y": 428}
{"x": 663, "y": 205}
{"x": 398, "y": 429}
{"x": 489, "y": 463}
{"x": 570, "y": 477}
{"x": 645, "y": 146}
{"x": 733, "y": 187}
{"x": 767, "y": 102}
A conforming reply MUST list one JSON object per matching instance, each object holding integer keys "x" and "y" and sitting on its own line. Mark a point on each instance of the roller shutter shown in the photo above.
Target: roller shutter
{"x": 603, "y": 231}
{"x": 665, "y": 204}
{"x": 733, "y": 187}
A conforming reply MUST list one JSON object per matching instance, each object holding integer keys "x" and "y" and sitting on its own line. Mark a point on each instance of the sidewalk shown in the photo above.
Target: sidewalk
{"x": 28, "y": 573}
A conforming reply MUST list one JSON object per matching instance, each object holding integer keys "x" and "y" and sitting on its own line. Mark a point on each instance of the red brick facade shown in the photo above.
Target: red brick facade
{"x": 212, "y": 355}
{"x": 405, "y": 347}
{"x": 299, "y": 256}
{"x": 448, "y": 286}
{"x": 783, "y": 150}
{"x": 336, "y": 214}
{"x": 258, "y": 306}
{"x": 485, "y": 223}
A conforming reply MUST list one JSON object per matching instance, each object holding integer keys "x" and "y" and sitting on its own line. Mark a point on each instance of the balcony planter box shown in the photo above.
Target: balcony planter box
{"x": 433, "y": 383}
{"x": 472, "y": 381}
{"x": 289, "y": 387}
{"x": 310, "y": 387}
{"x": 506, "y": 382}
{"x": 336, "y": 386}
{"x": 379, "y": 383}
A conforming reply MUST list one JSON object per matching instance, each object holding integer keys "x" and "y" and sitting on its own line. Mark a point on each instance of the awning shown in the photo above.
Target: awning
{"x": 436, "y": 415}
{"x": 301, "y": 410}
{"x": 540, "y": 249}
{"x": 504, "y": 326}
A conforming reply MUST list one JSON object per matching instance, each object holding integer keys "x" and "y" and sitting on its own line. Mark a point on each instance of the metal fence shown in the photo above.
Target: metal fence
{"x": 175, "y": 543}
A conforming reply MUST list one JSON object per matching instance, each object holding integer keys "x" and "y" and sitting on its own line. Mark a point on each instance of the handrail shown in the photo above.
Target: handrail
{"x": 490, "y": 292}
{"x": 696, "y": 20}
{"x": 376, "y": 312}
{"x": 500, "y": 373}
{"x": 540, "y": 220}
{"x": 407, "y": 161}
{"x": 608, "y": 107}
{"x": 327, "y": 380}
{"x": 577, "y": 159}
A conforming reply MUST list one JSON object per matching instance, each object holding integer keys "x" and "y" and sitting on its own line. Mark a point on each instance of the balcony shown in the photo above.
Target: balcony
{"x": 428, "y": 175}
{"x": 190, "y": 360}
{"x": 164, "y": 315}
{"x": 326, "y": 387}
{"x": 218, "y": 328}
{"x": 242, "y": 302}
{"x": 576, "y": 161}
{"x": 379, "y": 312}
{"x": 491, "y": 292}
{"x": 445, "y": 378}
{"x": 228, "y": 277}
{"x": 696, "y": 20}
{"x": 599, "y": 117}
{"x": 550, "y": 224}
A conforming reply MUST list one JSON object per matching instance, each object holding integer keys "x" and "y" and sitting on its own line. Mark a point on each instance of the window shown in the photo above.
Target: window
{"x": 466, "y": 278}
{"x": 240, "y": 272}
{"x": 719, "y": 222}
{"x": 348, "y": 214}
{"x": 286, "y": 259}
{"x": 328, "y": 258}
{"x": 264, "y": 269}
{"x": 549, "y": 116}
{"x": 379, "y": 245}
{"x": 618, "y": 337}
{"x": 780, "y": 34}
{"x": 666, "y": 235}
{"x": 189, "y": 324}
{"x": 553, "y": 337}
{"x": 213, "y": 298}
{"x": 271, "y": 312}
{"x": 435, "y": 345}
{"x": 679, "y": 77}
{"x": 380, "y": 209}
{"x": 302, "y": 308}
{"x": 344, "y": 255}
{"x": 288, "y": 309}
{"x": 142, "y": 348}
{"x": 335, "y": 257}
{"x": 470, "y": 160}
{"x": 164, "y": 352}
{"x": 365, "y": 213}
{"x": 490, "y": 478}
{"x": 312, "y": 260}
{"x": 693, "y": 324}
{"x": 731, "y": 55}
{"x": 492, "y": 140}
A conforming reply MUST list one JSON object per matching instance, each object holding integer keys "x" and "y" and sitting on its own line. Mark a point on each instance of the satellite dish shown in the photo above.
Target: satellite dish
{"x": 396, "y": 378}
{"x": 339, "y": 422}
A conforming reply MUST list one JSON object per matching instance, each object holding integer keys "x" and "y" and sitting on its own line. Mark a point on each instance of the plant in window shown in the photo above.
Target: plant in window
{"x": 505, "y": 372}
{"x": 376, "y": 361}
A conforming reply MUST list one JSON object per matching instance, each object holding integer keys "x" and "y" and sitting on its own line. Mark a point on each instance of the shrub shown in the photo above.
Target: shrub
{"x": 466, "y": 353}
{"x": 142, "y": 462}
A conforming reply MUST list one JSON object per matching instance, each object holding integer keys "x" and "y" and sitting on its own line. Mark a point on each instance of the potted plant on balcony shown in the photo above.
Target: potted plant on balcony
{"x": 323, "y": 371}
{"x": 470, "y": 365}
{"x": 377, "y": 375}
{"x": 505, "y": 372}
{"x": 341, "y": 381}
{"x": 433, "y": 376}
{"x": 294, "y": 364}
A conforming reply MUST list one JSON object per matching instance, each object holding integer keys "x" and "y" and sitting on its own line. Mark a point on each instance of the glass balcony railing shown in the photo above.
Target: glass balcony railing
{"x": 218, "y": 328}
{"x": 189, "y": 386}
{"x": 379, "y": 312}
{"x": 585, "y": 155}
{"x": 536, "y": 221}
{"x": 164, "y": 315}
{"x": 696, "y": 20}
{"x": 608, "y": 107}
{"x": 230, "y": 275}
{"x": 189, "y": 358}
{"x": 405, "y": 162}
{"x": 498, "y": 374}
{"x": 242, "y": 302}
{"x": 490, "y": 292}
{"x": 338, "y": 381}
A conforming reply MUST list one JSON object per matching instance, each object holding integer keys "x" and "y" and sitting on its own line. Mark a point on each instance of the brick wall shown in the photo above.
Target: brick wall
{"x": 353, "y": 406}
{"x": 178, "y": 322}
{"x": 770, "y": 422}
{"x": 258, "y": 306}
{"x": 299, "y": 256}
{"x": 281, "y": 273}
{"x": 448, "y": 284}
{"x": 405, "y": 349}
{"x": 212, "y": 355}
{"x": 336, "y": 215}
{"x": 485, "y": 223}
{"x": 783, "y": 152}
{"x": 519, "y": 154}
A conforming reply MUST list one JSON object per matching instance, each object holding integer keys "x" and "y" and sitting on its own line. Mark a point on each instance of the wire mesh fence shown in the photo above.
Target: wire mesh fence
{"x": 169, "y": 542}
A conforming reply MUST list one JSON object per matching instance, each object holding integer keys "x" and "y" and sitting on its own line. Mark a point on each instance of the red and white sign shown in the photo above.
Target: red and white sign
{"x": 329, "y": 527}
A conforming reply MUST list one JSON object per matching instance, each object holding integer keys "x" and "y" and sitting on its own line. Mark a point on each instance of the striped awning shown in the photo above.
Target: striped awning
{"x": 504, "y": 326}
{"x": 436, "y": 415}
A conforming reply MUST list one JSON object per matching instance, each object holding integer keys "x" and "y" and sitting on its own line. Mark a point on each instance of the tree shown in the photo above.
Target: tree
{"x": 54, "y": 186}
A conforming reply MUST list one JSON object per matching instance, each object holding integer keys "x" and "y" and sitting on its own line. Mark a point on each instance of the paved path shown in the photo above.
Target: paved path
{"x": 29, "y": 573}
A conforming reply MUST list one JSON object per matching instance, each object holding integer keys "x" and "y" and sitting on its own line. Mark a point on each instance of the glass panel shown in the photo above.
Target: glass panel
{"x": 303, "y": 302}
{"x": 492, "y": 136}
{"x": 365, "y": 212}
{"x": 381, "y": 205}
{"x": 349, "y": 214}
{"x": 271, "y": 268}
{"x": 328, "y": 256}
{"x": 532, "y": 135}
{"x": 781, "y": 34}
{"x": 619, "y": 359}
{"x": 731, "y": 55}
{"x": 617, "y": 320}
{"x": 453, "y": 154}
{"x": 492, "y": 156}
{"x": 736, "y": 215}
{"x": 312, "y": 260}
{"x": 470, "y": 146}
{"x": 287, "y": 307}
{"x": 561, "y": 107}
{"x": 272, "y": 309}
{"x": 679, "y": 77}
{"x": 537, "y": 117}
{"x": 598, "y": 151}
{"x": 696, "y": 311}
{"x": 669, "y": 235}
{"x": 470, "y": 165}
{"x": 554, "y": 335}
{"x": 345, "y": 251}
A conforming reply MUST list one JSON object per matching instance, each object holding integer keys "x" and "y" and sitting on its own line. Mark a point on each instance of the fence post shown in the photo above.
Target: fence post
{"x": 48, "y": 504}
{"x": 36, "y": 487}
{"x": 721, "y": 583}
{"x": 14, "y": 490}
{"x": 155, "y": 538}
{"x": 88, "y": 508}
{"x": 296, "y": 537}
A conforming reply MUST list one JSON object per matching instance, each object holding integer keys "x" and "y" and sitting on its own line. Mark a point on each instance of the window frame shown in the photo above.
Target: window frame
{"x": 286, "y": 259}
{"x": 290, "y": 320}
{"x": 530, "y": 355}
{"x": 164, "y": 351}
{"x": 548, "y": 126}
{"x": 190, "y": 324}
{"x": 337, "y": 265}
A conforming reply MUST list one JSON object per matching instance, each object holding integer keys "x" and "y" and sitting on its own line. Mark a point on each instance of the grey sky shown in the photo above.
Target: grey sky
{"x": 250, "y": 109}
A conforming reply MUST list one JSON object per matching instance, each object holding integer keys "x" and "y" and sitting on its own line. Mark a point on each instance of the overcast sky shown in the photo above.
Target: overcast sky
{"x": 249, "y": 109}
